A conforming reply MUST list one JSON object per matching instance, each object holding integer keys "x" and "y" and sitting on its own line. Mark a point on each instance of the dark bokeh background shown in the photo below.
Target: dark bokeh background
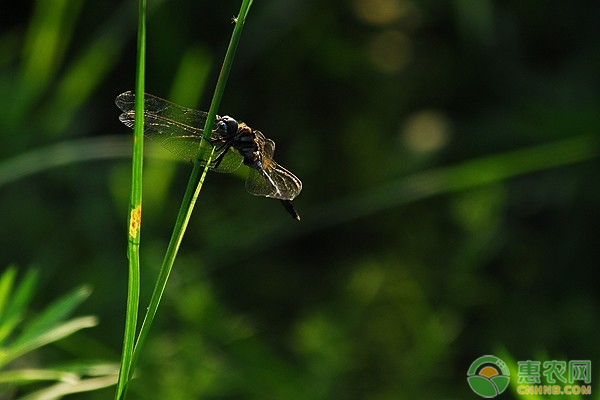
{"x": 450, "y": 207}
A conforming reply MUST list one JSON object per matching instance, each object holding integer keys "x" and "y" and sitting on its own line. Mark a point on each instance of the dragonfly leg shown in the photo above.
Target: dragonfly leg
{"x": 218, "y": 160}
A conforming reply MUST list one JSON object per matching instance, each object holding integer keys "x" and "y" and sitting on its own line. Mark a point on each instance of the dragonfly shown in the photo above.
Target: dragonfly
{"x": 180, "y": 130}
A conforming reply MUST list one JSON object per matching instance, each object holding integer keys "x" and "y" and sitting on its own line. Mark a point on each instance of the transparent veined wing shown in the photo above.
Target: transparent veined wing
{"x": 156, "y": 105}
{"x": 277, "y": 182}
{"x": 177, "y": 129}
{"x": 272, "y": 180}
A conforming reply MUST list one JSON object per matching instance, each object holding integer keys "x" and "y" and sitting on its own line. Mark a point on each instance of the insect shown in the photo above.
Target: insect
{"x": 179, "y": 129}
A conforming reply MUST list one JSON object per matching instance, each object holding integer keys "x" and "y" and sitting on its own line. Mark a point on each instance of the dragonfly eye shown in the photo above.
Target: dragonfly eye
{"x": 227, "y": 126}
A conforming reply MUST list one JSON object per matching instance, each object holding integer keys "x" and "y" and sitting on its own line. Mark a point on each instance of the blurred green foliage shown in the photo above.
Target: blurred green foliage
{"x": 22, "y": 334}
{"x": 448, "y": 152}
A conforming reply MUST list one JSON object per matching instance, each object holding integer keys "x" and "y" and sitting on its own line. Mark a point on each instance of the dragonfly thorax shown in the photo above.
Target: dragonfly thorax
{"x": 245, "y": 143}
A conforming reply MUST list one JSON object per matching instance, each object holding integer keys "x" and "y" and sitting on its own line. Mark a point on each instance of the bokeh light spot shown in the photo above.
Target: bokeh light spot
{"x": 380, "y": 12}
{"x": 425, "y": 132}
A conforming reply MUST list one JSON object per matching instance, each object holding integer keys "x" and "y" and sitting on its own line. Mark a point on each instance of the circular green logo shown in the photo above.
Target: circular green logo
{"x": 488, "y": 376}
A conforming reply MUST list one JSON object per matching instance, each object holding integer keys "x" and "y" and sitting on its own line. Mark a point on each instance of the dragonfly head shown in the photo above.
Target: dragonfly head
{"x": 227, "y": 126}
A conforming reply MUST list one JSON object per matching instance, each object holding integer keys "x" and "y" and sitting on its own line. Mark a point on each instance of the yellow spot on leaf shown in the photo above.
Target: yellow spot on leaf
{"x": 135, "y": 221}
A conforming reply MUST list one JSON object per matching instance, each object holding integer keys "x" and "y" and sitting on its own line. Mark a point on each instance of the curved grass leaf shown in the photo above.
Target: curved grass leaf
{"x": 62, "y": 389}
{"x": 14, "y": 300}
{"x": 58, "y": 332}
{"x": 56, "y": 312}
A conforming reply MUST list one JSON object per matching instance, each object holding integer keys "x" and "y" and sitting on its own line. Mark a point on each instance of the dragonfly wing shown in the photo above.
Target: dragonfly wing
{"x": 267, "y": 148}
{"x": 272, "y": 180}
{"x": 182, "y": 140}
{"x": 175, "y": 128}
{"x": 161, "y": 107}
{"x": 276, "y": 182}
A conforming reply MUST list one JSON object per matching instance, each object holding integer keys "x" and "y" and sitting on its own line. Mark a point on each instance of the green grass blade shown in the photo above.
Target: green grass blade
{"x": 7, "y": 281}
{"x": 466, "y": 175}
{"x": 81, "y": 77}
{"x": 45, "y": 45}
{"x": 22, "y": 376}
{"x": 135, "y": 213}
{"x": 67, "y": 378}
{"x": 8, "y": 322}
{"x": 19, "y": 298}
{"x": 194, "y": 67}
{"x": 62, "y": 389}
{"x": 7, "y": 326}
{"x": 23, "y": 293}
{"x": 58, "y": 311}
{"x": 52, "y": 335}
{"x": 64, "y": 153}
{"x": 193, "y": 188}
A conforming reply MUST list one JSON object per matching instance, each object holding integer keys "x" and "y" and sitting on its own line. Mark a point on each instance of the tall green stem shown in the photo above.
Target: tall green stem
{"x": 135, "y": 213}
{"x": 192, "y": 190}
